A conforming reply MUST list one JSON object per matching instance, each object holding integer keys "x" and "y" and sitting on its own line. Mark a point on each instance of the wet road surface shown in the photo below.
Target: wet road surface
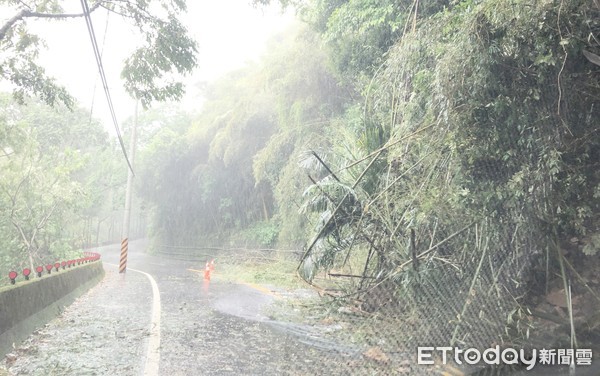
{"x": 206, "y": 328}
{"x": 201, "y": 328}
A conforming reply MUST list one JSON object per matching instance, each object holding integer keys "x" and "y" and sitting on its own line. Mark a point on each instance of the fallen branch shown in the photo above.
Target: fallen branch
{"x": 425, "y": 253}
{"x": 337, "y": 208}
{"x": 387, "y": 146}
{"x": 349, "y": 275}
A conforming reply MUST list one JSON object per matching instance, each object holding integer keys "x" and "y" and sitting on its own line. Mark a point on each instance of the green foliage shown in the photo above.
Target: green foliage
{"x": 236, "y": 165}
{"x": 524, "y": 135}
{"x": 470, "y": 123}
{"x": 18, "y": 66}
{"x": 360, "y": 32}
{"x": 263, "y": 234}
{"x": 308, "y": 97}
{"x": 153, "y": 72}
{"x": 44, "y": 179}
{"x": 436, "y": 152}
{"x": 160, "y": 181}
{"x": 203, "y": 181}
{"x": 593, "y": 245}
{"x": 487, "y": 114}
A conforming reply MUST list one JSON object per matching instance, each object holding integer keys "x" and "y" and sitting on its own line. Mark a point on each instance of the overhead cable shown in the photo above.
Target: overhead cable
{"x": 96, "y": 80}
{"x": 90, "y": 27}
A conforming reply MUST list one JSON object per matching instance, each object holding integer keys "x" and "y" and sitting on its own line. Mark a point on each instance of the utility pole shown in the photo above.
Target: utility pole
{"x": 128, "y": 194}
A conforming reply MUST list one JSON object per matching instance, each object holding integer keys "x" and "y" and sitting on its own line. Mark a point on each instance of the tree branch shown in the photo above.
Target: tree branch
{"x": 26, "y": 13}
{"x": 17, "y": 17}
{"x": 45, "y": 219}
{"x": 21, "y": 232}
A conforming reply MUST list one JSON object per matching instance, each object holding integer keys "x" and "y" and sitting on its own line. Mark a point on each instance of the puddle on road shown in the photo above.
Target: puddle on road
{"x": 244, "y": 302}
{"x": 247, "y": 303}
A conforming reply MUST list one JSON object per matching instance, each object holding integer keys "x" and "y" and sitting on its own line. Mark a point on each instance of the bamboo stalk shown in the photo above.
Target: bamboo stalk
{"x": 348, "y": 275}
{"x": 338, "y": 207}
{"x": 468, "y": 299}
{"x": 387, "y": 146}
{"x": 431, "y": 249}
{"x": 582, "y": 280}
{"x": 364, "y": 274}
{"x": 324, "y": 165}
{"x": 420, "y": 255}
{"x": 567, "y": 286}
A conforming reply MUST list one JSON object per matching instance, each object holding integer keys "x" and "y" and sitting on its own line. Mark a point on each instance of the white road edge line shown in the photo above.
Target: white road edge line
{"x": 153, "y": 352}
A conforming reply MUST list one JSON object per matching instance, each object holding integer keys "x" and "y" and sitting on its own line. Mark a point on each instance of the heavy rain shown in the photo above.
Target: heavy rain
{"x": 299, "y": 187}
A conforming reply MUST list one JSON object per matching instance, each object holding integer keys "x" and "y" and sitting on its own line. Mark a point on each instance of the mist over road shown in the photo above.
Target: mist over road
{"x": 205, "y": 328}
{"x": 219, "y": 328}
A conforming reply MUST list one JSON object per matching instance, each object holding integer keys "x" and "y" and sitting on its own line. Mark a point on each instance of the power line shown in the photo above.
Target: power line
{"x": 101, "y": 54}
{"x": 90, "y": 27}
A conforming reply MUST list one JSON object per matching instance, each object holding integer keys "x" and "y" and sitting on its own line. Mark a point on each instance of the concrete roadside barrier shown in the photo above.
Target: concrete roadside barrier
{"x": 30, "y": 304}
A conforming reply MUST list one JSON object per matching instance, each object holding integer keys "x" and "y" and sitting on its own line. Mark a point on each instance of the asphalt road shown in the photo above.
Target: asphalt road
{"x": 162, "y": 318}
{"x": 200, "y": 328}
{"x": 218, "y": 328}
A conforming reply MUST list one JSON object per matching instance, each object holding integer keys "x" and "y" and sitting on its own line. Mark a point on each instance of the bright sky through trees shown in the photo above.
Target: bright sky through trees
{"x": 229, "y": 34}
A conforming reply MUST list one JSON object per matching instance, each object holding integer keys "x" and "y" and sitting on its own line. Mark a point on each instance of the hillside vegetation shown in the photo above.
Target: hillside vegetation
{"x": 426, "y": 154}
{"x": 433, "y": 162}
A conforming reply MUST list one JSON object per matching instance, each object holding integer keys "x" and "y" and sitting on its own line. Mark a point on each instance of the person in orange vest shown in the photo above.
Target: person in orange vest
{"x": 212, "y": 265}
